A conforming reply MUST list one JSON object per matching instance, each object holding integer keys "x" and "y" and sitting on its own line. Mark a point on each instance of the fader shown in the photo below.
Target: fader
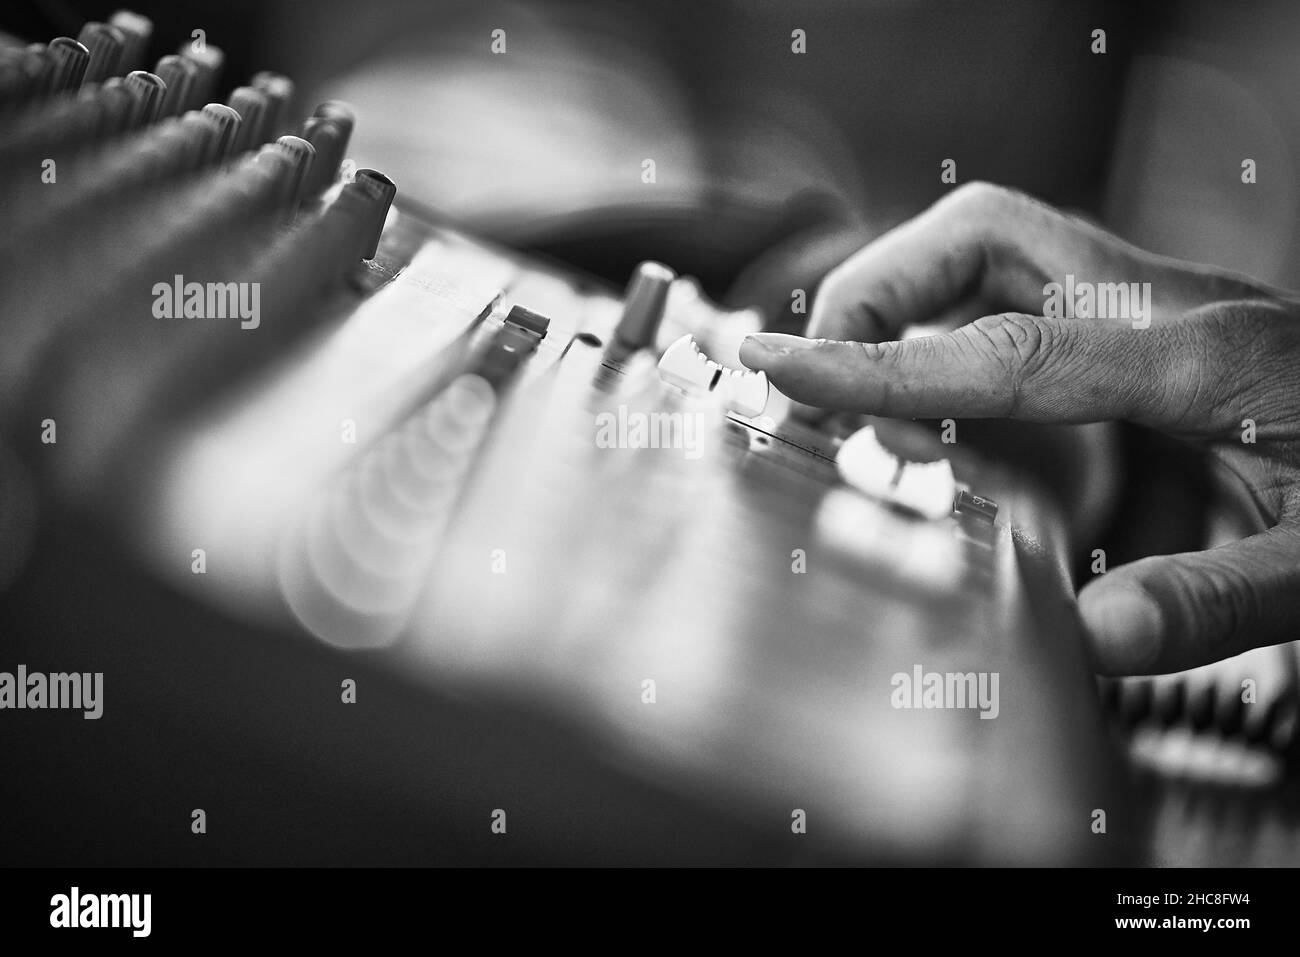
{"x": 686, "y": 367}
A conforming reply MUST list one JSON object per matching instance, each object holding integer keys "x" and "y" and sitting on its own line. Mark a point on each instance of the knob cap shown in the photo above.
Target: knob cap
{"x": 643, "y": 307}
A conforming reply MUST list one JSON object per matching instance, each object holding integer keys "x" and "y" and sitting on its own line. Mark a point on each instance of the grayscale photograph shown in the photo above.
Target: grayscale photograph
{"x": 852, "y": 435}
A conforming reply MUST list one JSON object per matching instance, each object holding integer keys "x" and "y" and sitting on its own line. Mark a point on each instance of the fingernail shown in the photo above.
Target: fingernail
{"x": 1125, "y": 626}
{"x": 754, "y": 347}
{"x": 780, "y": 344}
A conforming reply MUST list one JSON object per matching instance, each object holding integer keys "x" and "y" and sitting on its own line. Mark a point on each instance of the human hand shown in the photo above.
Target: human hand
{"x": 1211, "y": 358}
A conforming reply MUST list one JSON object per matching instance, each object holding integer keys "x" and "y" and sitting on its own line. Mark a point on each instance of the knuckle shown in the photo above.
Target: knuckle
{"x": 886, "y": 355}
{"x": 879, "y": 352}
{"x": 1233, "y": 336}
{"x": 1186, "y": 391}
{"x": 1220, "y": 601}
{"x": 1017, "y": 345}
{"x": 1236, "y": 358}
{"x": 980, "y": 194}
{"x": 1025, "y": 336}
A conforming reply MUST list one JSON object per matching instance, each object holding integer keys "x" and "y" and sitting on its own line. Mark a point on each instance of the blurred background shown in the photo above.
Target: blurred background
{"x": 766, "y": 156}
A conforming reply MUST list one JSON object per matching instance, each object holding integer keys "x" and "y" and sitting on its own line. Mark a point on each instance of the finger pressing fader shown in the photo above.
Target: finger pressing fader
{"x": 683, "y": 365}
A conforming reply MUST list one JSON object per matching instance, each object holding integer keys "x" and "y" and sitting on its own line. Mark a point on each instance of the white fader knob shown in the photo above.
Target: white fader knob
{"x": 683, "y": 365}
{"x": 926, "y": 488}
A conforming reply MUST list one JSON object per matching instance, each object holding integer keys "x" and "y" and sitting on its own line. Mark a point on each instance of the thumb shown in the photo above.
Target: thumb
{"x": 1176, "y": 612}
